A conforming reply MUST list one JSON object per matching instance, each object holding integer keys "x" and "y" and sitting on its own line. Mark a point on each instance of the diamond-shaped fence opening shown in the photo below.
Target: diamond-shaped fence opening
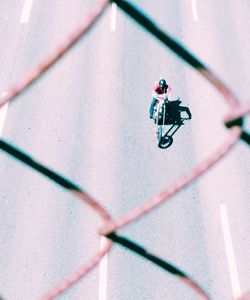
{"x": 234, "y": 122}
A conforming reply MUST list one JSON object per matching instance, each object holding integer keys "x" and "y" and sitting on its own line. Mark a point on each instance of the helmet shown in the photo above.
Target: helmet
{"x": 163, "y": 85}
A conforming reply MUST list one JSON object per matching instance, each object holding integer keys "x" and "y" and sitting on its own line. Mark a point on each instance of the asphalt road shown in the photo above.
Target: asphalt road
{"x": 87, "y": 118}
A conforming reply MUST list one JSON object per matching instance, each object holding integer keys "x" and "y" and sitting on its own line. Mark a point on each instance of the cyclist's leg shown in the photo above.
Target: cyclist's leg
{"x": 151, "y": 109}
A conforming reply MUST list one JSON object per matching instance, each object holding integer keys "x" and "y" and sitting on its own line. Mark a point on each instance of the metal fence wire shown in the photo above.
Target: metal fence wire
{"x": 233, "y": 121}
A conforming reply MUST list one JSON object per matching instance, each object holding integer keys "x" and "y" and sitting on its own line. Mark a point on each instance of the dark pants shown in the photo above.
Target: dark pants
{"x": 151, "y": 109}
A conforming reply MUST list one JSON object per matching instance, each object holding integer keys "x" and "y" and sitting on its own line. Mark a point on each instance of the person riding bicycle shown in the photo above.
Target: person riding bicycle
{"x": 161, "y": 89}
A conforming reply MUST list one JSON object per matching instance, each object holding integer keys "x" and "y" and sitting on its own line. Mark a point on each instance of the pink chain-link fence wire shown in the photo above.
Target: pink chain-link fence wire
{"x": 233, "y": 121}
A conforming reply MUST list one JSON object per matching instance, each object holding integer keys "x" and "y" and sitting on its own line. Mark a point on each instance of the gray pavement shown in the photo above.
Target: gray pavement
{"x": 87, "y": 118}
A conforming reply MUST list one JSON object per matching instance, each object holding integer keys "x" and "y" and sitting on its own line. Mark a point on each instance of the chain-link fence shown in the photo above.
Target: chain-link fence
{"x": 233, "y": 121}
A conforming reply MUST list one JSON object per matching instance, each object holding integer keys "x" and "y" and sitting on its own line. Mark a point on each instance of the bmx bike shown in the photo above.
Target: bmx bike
{"x": 169, "y": 118}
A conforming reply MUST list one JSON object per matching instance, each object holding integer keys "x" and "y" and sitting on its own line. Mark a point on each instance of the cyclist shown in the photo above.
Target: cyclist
{"x": 161, "y": 89}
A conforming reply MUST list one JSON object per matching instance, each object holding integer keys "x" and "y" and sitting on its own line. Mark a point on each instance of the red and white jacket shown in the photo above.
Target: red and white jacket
{"x": 158, "y": 91}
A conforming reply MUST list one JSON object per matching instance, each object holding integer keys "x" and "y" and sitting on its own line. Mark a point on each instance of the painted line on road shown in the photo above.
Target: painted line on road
{"x": 25, "y": 16}
{"x": 103, "y": 273}
{"x": 230, "y": 252}
{"x": 194, "y": 10}
{"x": 113, "y": 17}
{"x": 3, "y": 113}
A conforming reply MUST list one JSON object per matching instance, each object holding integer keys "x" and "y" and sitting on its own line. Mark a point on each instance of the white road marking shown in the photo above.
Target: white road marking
{"x": 229, "y": 251}
{"x": 113, "y": 17}
{"x": 194, "y": 9}
{"x": 3, "y": 112}
{"x": 103, "y": 273}
{"x": 26, "y": 11}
